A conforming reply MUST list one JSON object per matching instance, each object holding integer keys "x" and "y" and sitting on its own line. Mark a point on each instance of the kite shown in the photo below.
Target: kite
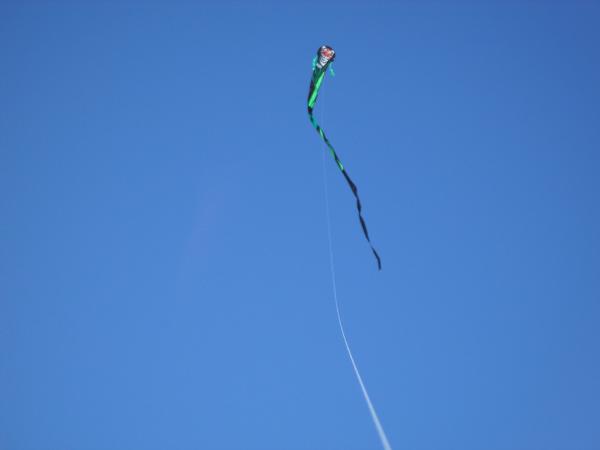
{"x": 323, "y": 61}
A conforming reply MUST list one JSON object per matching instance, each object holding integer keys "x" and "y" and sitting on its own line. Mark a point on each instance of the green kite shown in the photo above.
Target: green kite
{"x": 323, "y": 60}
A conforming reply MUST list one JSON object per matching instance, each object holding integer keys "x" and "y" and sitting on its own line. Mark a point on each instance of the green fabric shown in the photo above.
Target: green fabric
{"x": 318, "y": 80}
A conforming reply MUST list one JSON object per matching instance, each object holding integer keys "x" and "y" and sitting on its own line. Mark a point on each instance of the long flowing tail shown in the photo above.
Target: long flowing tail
{"x": 348, "y": 180}
{"x": 382, "y": 437}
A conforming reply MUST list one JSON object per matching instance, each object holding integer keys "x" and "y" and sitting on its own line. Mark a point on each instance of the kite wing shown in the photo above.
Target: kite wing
{"x": 323, "y": 60}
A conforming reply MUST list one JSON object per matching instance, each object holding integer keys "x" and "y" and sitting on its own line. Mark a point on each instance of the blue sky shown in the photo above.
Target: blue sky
{"x": 164, "y": 277}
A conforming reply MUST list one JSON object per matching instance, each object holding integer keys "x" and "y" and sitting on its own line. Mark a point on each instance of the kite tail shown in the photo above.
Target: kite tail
{"x": 353, "y": 187}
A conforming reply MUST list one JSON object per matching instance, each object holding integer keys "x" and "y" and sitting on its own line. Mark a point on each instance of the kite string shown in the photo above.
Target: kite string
{"x": 384, "y": 440}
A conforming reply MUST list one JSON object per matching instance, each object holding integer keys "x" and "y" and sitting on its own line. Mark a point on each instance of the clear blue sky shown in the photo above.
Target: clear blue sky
{"x": 164, "y": 278}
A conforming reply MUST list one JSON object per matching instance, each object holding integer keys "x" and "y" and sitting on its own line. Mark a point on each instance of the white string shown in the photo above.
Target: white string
{"x": 384, "y": 441}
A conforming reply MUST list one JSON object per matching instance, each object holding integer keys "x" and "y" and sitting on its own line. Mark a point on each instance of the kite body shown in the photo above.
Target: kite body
{"x": 323, "y": 60}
